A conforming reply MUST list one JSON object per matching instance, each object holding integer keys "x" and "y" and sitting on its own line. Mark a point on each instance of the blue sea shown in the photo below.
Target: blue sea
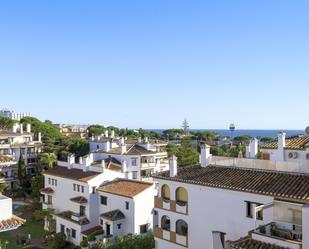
{"x": 253, "y": 133}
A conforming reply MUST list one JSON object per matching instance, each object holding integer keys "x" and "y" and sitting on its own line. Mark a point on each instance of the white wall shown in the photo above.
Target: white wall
{"x": 5, "y": 207}
{"x": 211, "y": 209}
{"x": 305, "y": 217}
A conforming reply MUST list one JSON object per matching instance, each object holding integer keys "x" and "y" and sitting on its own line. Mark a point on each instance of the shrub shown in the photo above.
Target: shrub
{"x": 84, "y": 243}
{"x": 262, "y": 229}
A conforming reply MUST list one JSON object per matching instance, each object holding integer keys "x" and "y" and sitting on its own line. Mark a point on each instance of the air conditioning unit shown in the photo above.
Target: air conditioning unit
{"x": 293, "y": 155}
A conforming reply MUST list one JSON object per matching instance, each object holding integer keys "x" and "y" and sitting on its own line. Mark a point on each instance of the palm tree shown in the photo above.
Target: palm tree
{"x": 49, "y": 159}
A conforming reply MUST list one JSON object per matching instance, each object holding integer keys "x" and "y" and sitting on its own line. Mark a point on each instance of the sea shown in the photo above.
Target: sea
{"x": 252, "y": 133}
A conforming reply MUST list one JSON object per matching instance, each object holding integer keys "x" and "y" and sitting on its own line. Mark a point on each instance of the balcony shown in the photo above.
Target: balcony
{"x": 150, "y": 165}
{"x": 282, "y": 234}
{"x": 170, "y": 236}
{"x": 77, "y": 216}
{"x": 174, "y": 206}
{"x": 182, "y": 207}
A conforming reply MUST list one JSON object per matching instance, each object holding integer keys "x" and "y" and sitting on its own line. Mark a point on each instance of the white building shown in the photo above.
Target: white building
{"x": 13, "y": 144}
{"x": 138, "y": 158}
{"x": 213, "y": 205}
{"x": 13, "y": 114}
{"x": 291, "y": 149}
{"x": 126, "y": 207}
{"x": 8, "y": 221}
{"x": 87, "y": 197}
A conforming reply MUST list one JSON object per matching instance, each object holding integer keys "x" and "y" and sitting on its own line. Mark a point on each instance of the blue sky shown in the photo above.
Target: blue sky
{"x": 151, "y": 63}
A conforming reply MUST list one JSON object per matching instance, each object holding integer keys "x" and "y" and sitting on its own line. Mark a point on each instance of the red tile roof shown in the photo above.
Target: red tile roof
{"x": 125, "y": 187}
{"x": 283, "y": 185}
{"x": 292, "y": 143}
{"x": 11, "y": 223}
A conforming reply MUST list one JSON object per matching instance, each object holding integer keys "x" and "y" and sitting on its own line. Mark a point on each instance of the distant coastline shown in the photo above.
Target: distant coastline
{"x": 253, "y": 133}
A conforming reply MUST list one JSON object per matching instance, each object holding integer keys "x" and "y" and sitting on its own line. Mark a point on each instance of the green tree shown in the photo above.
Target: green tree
{"x": 171, "y": 149}
{"x": 21, "y": 171}
{"x": 3, "y": 186}
{"x": 6, "y": 123}
{"x": 48, "y": 159}
{"x": 37, "y": 183}
{"x": 187, "y": 153}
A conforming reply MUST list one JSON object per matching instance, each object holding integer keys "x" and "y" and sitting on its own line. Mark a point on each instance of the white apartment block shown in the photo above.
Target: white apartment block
{"x": 13, "y": 114}
{"x": 139, "y": 159}
{"x": 231, "y": 203}
{"x": 13, "y": 144}
{"x": 75, "y": 191}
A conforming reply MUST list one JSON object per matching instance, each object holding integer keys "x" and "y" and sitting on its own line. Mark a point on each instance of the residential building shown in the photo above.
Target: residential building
{"x": 288, "y": 149}
{"x": 8, "y": 221}
{"x": 13, "y": 114}
{"x": 139, "y": 158}
{"x": 86, "y": 197}
{"x": 18, "y": 142}
{"x": 126, "y": 207}
{"x": 73, "y": 130}
{"x": 215, "y": 203}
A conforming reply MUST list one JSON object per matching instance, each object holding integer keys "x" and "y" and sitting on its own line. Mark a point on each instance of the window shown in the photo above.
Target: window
{"x": 73, "y": 233}
{"x": 165, "y": 223}
{"x": 98, "y": 147}
{"x": 103, "y": 200}
{"x": 78, "y": 188}
{"x": 249, "y": 209}
{"x": 181, "y": 196}
{"x": 93, "y": 190}
{"x": 181, "y": 228}
{"x": 165, "y": 192}
{"x": 133, "y": 161}
{"x": 101, "y": 222}
{"x": 52, "y": 181}
{"x": 61, "y": 228}
{"x": 119, "y": 226}
{"x": 143, "y": 228}
{"x": 74, "y": 187}
{"x": 83, "y": 189}
{"x": 56, "y": 183}
{"x": 49, "y": 181}
{"x": 134, "y": 175}
{"x": 127, "y": 205}
{"x": 82, "y": 210}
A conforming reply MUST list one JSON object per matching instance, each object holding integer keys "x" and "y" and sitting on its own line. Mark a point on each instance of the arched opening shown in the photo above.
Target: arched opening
{"x": 165, "y": 192}
{"x": 181, "y": 196}
{"x": 165, "y": 223}
{"x": 181, "y": 228}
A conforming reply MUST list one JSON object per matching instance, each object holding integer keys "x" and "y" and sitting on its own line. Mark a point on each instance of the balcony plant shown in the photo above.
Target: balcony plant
{"x": 262, "y": 229}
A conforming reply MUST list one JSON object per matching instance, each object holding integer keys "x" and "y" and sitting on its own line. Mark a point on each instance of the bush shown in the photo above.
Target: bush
{"x": 59, "y": 242}
{"x": 262, "y": 229}
{"x": 84, "y": 243}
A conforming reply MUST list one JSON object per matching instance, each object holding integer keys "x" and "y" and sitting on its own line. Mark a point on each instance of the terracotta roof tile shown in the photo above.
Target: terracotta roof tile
{"x": 47, "y": 190}
{"x": 73, "y": 174}
{"x": 292, "y": 143}
{"x": 249, "y": 243}
{"x": 113, "y": 215}
{"x": 11, "y": 223}
{"x": 284, "y": 185}
{"x": 79, "y": 199}
{"x": 125, "y": 187}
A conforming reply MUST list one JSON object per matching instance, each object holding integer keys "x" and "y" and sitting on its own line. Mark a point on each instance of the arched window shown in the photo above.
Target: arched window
{"x": 165, "y": 223}
{"x": 181, "y": 196}
{"x": 181, "y": 228}
{"x": 165, "y": 192}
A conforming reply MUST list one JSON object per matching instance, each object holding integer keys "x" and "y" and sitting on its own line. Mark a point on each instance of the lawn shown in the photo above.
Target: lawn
{"x": 35, "y": 228}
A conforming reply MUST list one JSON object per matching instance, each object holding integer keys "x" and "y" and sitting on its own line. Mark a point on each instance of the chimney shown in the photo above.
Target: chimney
{"x": 205, "y": 155}
{"x": 112, "y": 134}
{"x": 108, "y": 146}
{"x": 28, "y": 128}
{"x": 121, "y": 141}
{"x": 252, "y": 149}
{"x": 92, "y": 138}
{"x": 21, "y": 128}
{"x": 123, "y": 148}
{"x": 103, "y": 164}
{"x": 40, "y": 137}
{"x": 80, "y": 160}
{"x": 124, "y": 166}
{"x": 15, "y": 126}
{"x": 146, "y": 139}
{"x": 173, "y": 166}
{"x": 139, "y": 140}
{"x": 281, "y": 146}
{"x": 71, "y": 160}
{"x": 106, "y": 133}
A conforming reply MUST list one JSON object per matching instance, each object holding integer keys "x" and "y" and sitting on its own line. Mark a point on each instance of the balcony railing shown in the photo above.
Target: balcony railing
{"x": 77, "y": 216}
{"x": 282, "y": 234}
{"x": 171, "y": 205}
{"x": 171, "y": 236}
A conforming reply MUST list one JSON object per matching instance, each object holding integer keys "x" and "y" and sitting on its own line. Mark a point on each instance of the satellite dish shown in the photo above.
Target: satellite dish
{"x": 307, "y": 130}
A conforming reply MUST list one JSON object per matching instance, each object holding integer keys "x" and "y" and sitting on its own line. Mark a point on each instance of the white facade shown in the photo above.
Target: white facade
{"x": 13, "y": 144}
{"x": 74, "y": 218}
{"x": 14, "y": 114}
{"x": 211, "y": 217}
{"x": 137, "y": 165}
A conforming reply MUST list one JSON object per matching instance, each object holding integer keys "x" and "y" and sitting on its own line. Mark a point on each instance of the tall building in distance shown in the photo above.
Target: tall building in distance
{"x": 13, "y": 114}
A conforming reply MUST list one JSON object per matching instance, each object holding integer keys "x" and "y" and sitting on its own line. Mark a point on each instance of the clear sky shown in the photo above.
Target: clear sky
{"x": 150, "y": 63}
